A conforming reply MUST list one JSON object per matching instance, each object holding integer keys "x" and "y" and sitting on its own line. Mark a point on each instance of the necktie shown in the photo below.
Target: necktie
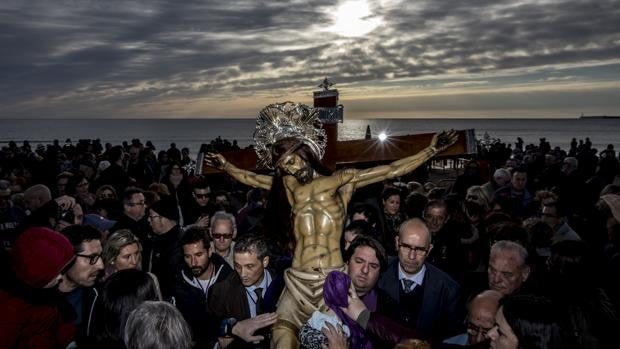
{"x": 259, "y": 300}
{"x": 408, "y": 285}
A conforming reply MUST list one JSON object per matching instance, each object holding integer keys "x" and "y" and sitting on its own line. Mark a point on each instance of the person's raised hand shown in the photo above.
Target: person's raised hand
{"x": 245, "y": 329}
{"x": 356, "y": 306}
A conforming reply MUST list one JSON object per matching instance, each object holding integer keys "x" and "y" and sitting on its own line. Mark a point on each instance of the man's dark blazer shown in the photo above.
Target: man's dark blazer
{"x": 442, "y": 311}
{"x": 228, "y": 298}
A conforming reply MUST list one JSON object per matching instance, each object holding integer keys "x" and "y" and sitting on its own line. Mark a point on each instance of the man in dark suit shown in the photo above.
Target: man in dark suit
{"x": 251, "y": 293}
{"x": 416, "y": 293}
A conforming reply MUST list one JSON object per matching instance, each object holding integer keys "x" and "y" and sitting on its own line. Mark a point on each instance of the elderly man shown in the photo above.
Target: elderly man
{"x": 481, "y": 312}
{"x": 500, "y": 178}
{"x": 417, "y": 293}
{"x": 288, "y": 142}
{"x": 223, "y": 231}
{"x": 508, "y": 270}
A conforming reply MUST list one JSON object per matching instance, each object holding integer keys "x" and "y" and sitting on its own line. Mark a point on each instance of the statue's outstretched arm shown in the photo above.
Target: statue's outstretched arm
{"x": 246, "y": 177}
{"x": 439, "y": 143}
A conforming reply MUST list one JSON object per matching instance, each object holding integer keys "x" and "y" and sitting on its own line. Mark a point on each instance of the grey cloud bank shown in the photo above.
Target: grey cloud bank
{"x": 217, "y": 58}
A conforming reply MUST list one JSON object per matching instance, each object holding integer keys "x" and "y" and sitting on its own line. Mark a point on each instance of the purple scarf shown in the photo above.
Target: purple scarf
{"x": 335, "y": 293}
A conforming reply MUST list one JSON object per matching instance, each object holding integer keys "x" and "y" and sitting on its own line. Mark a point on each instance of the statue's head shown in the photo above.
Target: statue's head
{"x": 291, "y": 156}
{"x": 286, "y": 128}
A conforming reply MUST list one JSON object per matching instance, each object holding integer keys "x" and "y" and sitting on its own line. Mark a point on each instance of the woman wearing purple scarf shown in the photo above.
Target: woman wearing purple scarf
{"x": 335, "y": 293}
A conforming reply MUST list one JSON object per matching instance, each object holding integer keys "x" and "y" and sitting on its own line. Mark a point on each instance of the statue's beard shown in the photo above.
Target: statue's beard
{"x": 305, "y": 175}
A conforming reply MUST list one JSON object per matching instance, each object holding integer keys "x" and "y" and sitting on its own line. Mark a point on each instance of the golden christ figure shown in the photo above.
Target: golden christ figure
{"x": 289, "y": 139}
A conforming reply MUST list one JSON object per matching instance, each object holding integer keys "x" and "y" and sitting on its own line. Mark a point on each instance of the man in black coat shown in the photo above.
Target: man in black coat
{"x": 202, "y": 269}
{"x": 165, "y": 259}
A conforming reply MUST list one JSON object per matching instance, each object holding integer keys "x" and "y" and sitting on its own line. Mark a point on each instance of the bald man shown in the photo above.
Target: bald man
{"x": 481, "y": 312}
{"x": 481, "y": 315}
{"x": 416, "y": 293}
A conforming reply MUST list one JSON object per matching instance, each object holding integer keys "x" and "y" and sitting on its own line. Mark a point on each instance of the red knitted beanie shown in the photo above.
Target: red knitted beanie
{"x": 39, "y": 255}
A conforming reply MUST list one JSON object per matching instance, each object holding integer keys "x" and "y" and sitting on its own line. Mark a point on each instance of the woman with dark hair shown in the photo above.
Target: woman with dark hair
{"x": 178, "y": 185}
{"x": 123, "y": 292}
{"x": 528, "y": 322}
{"x": 392, "y": 218}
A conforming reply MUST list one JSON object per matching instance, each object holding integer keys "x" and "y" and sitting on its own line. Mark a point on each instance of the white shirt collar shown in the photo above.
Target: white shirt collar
{"x": 418, "y": 277}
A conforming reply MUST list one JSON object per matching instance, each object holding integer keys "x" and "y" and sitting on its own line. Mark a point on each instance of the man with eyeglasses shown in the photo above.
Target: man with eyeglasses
{"x": 223, "y": 231}
{"x": 134, "y": 219}
{"x": 416, "y": 293}
{"x": 480, "y": 320}
{"x": 78, "y": 282}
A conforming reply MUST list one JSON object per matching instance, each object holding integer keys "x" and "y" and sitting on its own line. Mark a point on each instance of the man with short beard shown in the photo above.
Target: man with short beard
{"x": 202, "y": 269}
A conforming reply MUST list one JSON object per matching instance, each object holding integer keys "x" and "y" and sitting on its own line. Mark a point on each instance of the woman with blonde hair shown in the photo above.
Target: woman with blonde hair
{"x": 121, "y": 251}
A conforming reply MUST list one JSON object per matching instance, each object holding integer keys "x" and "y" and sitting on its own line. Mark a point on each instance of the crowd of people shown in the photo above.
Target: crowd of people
{"x": 121, "y": 246}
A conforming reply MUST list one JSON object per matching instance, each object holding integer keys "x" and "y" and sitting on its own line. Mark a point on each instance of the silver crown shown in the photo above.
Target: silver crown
{"x": 288, "y": 120}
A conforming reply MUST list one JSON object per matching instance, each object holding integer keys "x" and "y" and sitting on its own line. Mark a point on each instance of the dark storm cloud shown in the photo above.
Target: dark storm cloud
{"x": 486, "y": 35}
{"x": 102, "y": 55}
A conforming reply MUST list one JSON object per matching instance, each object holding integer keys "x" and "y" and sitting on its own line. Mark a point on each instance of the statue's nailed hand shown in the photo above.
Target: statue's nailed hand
{"x": 442, "y": 140}
{"x": 215, "y": 160}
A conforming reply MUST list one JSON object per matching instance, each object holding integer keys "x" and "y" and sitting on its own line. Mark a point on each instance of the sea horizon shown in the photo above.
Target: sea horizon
{"x": 192, "y": 132}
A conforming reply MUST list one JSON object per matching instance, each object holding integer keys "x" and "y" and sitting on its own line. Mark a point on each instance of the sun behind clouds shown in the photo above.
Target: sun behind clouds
{"x": 353, "y": 18}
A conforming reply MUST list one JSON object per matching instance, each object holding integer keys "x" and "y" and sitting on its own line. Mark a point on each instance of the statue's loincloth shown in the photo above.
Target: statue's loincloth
{"x": 302, "y": 295}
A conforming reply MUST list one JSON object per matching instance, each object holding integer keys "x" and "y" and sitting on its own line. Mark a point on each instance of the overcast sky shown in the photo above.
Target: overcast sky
{"x": 96, "y": 58}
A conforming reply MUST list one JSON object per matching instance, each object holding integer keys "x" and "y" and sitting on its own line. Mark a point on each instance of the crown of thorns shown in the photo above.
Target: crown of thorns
{"x": 287, "y": 120}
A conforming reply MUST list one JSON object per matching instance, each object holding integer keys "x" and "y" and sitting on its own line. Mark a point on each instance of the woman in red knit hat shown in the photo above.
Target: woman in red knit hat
{"x": 29, "y": 300}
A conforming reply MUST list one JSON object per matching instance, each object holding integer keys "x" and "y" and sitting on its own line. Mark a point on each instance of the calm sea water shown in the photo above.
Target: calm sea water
{"x": 193, "y": 132}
